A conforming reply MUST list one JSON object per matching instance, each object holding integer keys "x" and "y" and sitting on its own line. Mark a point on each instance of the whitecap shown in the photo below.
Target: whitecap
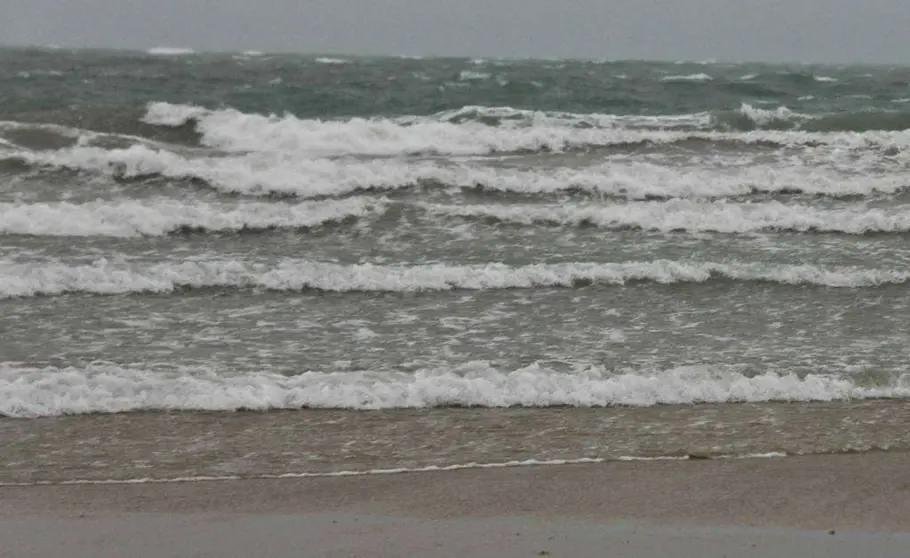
{"x": 690, "y": 77}
{"x": 109, "y": 388}
{"x": 170, "y": 51}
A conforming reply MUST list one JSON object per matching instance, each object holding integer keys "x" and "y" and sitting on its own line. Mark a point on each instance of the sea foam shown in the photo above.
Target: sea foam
{"x": 170, "y": 51}
{"x": 688, "y": 215}
{"x": 265, "y": 173}
{"x": 111, "y": 277}
{"x": 461, "y": 134}
{"x": 127, "y": 218}
{"x": 100, "y": 387}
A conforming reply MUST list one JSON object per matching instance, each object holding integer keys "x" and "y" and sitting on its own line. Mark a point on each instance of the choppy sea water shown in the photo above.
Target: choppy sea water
{"x": 409, "y": 262}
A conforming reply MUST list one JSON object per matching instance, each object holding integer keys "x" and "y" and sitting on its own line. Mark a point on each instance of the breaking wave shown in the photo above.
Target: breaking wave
{"x": 157, "y": 217}
{"x": 469, "y": 131}
{"x": 291, "y": 175}
{"x": 110, "y": 278}
{"x": 687, "y": 215}
{"x": 481, "y": 130}
{"x": 110, "y": 388}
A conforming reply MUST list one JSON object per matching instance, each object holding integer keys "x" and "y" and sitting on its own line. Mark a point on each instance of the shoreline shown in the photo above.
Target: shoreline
{"x": 817, "y": 505}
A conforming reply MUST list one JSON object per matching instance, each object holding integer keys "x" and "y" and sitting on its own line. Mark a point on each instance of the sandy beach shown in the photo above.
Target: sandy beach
{"x": 825, "y": 505}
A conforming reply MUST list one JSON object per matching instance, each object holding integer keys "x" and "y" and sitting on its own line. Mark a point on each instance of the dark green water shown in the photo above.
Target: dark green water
{"x": 108, "y": 90}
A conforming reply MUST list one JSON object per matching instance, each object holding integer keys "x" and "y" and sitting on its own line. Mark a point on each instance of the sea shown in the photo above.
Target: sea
{"x": 229, "y": 265}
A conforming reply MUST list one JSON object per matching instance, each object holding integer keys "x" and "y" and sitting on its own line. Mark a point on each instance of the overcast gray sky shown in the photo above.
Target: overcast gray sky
{"x": 772, "y": 30}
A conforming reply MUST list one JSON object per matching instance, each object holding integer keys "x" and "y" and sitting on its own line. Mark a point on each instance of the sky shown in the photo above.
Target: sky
{"x": 745, "y": 30}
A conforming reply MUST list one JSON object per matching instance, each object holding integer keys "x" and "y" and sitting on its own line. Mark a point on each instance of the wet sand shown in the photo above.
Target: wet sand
{"x": 166, "y": 445}
{"x": 782, "y": 506}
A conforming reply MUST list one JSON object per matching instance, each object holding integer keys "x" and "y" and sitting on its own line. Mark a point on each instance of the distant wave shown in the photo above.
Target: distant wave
{"x": 467, "y": 75}
{"x": 170, "y": 51}
{"x": 104, "y": 278}
{"x": 157, "y": 217}
{"x": 517, "y": 118}
{"x": 110, "y": 388}
{"x": 688, "y": 78}
{"x": 749, "y": 117}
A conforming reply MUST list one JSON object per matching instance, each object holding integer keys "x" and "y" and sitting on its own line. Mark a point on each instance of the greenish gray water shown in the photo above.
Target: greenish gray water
{"x": 256, "y": 231}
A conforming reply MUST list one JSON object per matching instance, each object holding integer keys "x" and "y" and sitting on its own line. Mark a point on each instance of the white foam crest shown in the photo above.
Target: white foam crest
{"x": 689, "y": 215}
{"x": 515, "y": 118}
{"x": 689, "y": 77}
{"x": 468, "y": 75}
{"x": 254, "y": 173}
{"x": 232, "y": 130}
{"x": 748, "y": 77}
{"x": 763, "y": 117}
{"x": 170, "y": 51}
{"x": 333, "y": 61}
{"x": 129, "y": 218}
{"x": 285, "y": 173}
{"x": 40, "y": 72}
{"x": 640, "y": 180}
{"x": 107, "y": 278}
{"x": 824, "y": 79}
{"x": 65, "y": 131}
{"x": 102, "y": 387}
{"x": 82, "y": 136}
{"x": 167, "y": 114}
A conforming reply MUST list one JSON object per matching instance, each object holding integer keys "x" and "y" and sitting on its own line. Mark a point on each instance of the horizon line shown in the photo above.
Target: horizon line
{"x": 189, "y": 51}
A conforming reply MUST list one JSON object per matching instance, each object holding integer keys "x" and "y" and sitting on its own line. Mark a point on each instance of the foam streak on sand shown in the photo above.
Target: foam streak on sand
{"x": 395, "y": 471}
{"x": 516, "y": 512}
